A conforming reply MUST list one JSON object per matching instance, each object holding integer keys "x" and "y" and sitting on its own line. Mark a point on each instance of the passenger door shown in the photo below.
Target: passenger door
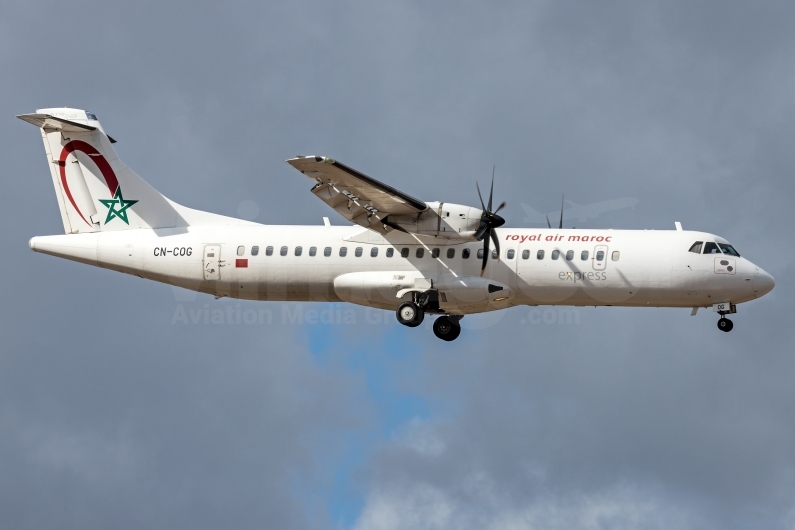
{"x": 212, "y": 262}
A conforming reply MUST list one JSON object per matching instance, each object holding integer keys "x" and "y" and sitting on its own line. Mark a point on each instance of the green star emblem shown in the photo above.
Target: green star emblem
{"x": 113, "y": 211}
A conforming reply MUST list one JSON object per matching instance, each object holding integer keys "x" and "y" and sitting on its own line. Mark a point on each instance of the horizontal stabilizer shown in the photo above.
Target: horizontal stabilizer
{"x": 48, "y": 121}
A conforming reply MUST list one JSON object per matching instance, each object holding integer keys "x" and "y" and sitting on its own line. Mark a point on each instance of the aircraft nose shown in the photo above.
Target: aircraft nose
{"x": 763, "y": 283}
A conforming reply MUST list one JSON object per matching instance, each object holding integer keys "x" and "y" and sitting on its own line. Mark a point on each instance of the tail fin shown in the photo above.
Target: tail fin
{"x": 96, "y": 192}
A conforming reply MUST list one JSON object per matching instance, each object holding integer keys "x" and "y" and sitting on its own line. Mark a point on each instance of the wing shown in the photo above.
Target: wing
{"x": 357, "y": 197}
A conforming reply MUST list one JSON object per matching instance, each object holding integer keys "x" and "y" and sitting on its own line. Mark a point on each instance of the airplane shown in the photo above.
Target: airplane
{"x": 581, "y": 212}
{"x": 399, "y": 254}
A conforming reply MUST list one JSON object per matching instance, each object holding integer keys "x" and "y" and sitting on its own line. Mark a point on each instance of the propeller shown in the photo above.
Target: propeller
{"x": 489, "y": 220}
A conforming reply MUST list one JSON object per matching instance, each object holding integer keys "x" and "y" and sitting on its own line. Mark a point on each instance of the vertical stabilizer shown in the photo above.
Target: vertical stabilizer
{"x": 95, "y": 190}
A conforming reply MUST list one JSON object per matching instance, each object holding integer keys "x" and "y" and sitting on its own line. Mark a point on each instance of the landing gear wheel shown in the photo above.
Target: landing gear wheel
{"x": 724, "y": 324}
{"x": 410, "y": 314}
{"x": 446, "y": 329}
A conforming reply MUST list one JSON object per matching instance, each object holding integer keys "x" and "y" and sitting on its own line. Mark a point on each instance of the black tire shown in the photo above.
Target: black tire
{"x": 410, "y": 314}
{"x": 724, "y": 324}
{"x": 446, "y": 329}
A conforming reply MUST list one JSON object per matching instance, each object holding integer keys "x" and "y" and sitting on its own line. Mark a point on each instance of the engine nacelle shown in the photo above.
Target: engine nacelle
{"x": 447, "y": 220}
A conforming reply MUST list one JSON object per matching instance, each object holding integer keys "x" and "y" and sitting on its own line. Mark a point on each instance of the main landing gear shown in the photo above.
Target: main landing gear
{"x": 411, "y": 314}
{"x": 447, "y": 327}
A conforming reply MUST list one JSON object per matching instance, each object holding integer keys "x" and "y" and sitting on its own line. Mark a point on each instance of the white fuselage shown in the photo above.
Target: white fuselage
{"x": 592, "y": 267}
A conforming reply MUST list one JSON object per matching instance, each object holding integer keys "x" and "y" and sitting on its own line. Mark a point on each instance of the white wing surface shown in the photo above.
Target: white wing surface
{"x": 357, "y": 197}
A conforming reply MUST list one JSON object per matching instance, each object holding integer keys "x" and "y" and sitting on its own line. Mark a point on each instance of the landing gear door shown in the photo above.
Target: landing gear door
{"x": 212, "y": 262}
{"x": 599, "y": 257}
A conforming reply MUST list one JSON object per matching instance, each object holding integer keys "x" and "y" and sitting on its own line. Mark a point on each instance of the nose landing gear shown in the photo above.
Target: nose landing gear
{"x": 724, "y": 324}
{"x": 723, "y": 309}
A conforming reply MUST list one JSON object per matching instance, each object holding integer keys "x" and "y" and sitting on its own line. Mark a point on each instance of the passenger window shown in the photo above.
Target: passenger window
{"x": 343, "y": 251}
{"x": 269, "y": 251}
{"x": 569, "y": 255}
{"x": 327, "y": 251}
{"x": 728, "y": 250}
{"x": 616, "y": 255}
{"x": 241, "y": 250}
{"x": 358, "y": 252}
{"x": 555, "y": 254}
{"x": 283, "y": 251}
{"x": 254, "y": 250}
{"x": 511, "y": 253}
{"x": 390, "y": 252}
{"x": 450, "y": 253}
{"x": 298, "y": 250}
{"x": 711, "y": 248}
{"x": 600, "y": 255}
{"x": 695, "y": 248}
{"x": 465, "y": 253}
{"x": 435, "y": 253}
{"x": 494, "y": 254}
{"x": 540, "y": 254}
{"x": 312, "y": 251}
{"x": 584, "y": 255}
{"x": 480, "y": 253}
{"x": 420, "y": 252}
{"x": 373, "y": 252}
{"x": 525, "y": 254}
{"x": 404, "y": 252}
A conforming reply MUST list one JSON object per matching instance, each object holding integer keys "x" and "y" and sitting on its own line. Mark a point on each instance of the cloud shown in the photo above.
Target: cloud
{"x": 478, "y": 505}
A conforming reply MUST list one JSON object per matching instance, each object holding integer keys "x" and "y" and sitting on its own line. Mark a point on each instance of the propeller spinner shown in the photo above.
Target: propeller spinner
{"x": 489, "y": 220}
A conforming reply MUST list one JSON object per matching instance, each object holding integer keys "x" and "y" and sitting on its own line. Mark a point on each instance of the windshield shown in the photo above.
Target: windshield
{"x": 711, "y": 248}
{"x": 728, "y": 249}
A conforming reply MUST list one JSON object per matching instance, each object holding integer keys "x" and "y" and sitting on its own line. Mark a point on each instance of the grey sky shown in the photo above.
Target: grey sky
{"x": 113, "y": 416}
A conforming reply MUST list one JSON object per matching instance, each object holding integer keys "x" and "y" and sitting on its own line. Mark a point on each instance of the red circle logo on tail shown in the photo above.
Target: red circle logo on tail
{"x": 99, "y": 160}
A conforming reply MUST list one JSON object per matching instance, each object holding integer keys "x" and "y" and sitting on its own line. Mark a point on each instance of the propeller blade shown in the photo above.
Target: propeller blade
{"x": 501, "y": 206}
{"x": 485, "y": 254}
{"x": 548, "y": 223}
{"x": 494, "y": 238}
{"x": 561, "y": 211}
{"x": 491, "y": 193}
{"x": 479, "y": 195}
{"x": 481, "y": 231}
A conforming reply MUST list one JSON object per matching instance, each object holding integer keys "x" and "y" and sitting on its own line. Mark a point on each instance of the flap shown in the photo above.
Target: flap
{"x": 365, "y": 191}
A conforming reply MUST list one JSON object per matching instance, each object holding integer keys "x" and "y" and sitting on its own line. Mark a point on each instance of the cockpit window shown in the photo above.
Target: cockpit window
{"x": 728, "y": 249}
{"x": 711, "y": 248}
{"x": 696, "y": 247}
